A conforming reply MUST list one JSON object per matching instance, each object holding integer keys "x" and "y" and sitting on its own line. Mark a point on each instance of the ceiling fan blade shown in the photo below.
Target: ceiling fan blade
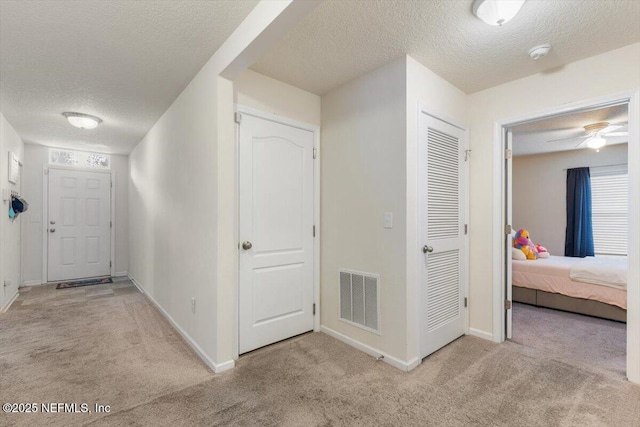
{"x": 610, "y": 128}
{"x": 612, "y": 134}
{"x": 581, "y": 143}
{"x": 570, "y": 138}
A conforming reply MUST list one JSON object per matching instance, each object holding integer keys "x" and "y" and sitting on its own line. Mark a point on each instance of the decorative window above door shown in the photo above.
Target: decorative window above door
{"x": 79, "y": 159}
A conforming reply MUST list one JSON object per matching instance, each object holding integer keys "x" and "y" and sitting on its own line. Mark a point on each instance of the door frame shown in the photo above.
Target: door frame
{"x": 250, "y": 111}
{"x": 421, "y": 173}
{"x": 45, "y": 216}
{"x": 632, "y": 99}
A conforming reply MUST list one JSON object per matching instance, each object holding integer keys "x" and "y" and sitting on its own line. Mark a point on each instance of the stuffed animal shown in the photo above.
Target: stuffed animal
{"x": 542, "y": 251}
{"x": 524, "y": 243}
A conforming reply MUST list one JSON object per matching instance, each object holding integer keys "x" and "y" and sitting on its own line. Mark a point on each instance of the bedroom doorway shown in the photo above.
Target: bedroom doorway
{"x": 504, "y": 156}
{"x": 564, "y": 304}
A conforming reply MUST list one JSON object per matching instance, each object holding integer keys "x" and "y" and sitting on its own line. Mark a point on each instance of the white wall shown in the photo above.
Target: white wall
{"x": 10, "y": 141}
{"x": 540, "y": 187}
{"x": 173, "y": 211}
{"x": 257, "y": 91}
{"x": 363, "y": 164}
{"x": 600, "y": 75}
{"x": 35, "y": 159}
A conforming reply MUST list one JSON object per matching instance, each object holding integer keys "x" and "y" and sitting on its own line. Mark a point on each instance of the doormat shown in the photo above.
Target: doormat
{"x": 85, "y": 282}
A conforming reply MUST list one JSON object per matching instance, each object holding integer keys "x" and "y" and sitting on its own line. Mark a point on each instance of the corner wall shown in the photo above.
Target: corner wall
{"x": 540, "y": 187}
{"x": 363, "y": 167}
{"x": 10, "y": 260}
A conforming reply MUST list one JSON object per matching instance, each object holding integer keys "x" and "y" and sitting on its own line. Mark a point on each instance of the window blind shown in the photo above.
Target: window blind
{"x": 610, "y": 206}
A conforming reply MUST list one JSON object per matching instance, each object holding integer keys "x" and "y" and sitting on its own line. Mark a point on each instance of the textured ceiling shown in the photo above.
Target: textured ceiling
{"x": 343, "y": 39}
{"x": 533, "y": 138}
{"x": 122, "y": 60}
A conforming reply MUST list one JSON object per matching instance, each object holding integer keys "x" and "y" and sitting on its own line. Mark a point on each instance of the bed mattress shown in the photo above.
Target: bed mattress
{"x": 552, "y": 275}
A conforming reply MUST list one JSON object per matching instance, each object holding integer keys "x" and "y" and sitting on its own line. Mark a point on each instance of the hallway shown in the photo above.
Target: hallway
{"x": 107, "y": 344}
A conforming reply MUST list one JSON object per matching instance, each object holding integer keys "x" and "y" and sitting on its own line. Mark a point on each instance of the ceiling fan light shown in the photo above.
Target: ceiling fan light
{"x": 496, "y": 12}
{"x": 596, "y": 142}
{"x": 82, "y": 121}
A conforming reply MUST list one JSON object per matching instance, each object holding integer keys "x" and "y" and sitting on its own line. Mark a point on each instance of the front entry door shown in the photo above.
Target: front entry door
{"x": 442, "y": 232}
{"x": 79, "y": 225}
{"x": 276, "y": 232}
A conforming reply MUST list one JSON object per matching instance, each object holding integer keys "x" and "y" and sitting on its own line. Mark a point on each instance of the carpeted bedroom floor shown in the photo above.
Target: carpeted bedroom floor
{"x": 581, "y": 339}
{"x": 116, "y": 349}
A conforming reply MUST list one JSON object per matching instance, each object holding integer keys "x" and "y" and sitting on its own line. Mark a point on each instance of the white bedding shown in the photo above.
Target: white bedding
{"x": 610, "y": 272}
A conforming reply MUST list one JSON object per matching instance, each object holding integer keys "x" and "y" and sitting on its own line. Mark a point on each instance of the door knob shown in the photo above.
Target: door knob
{"x": 52, "y": 222}
{"x": 52, "y": 230}
{"x": 427, "y": 249}
{"x": 246, "y": 245}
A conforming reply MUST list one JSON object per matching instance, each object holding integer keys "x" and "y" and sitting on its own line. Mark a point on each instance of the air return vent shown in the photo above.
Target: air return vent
{"x": 359, "y": 299}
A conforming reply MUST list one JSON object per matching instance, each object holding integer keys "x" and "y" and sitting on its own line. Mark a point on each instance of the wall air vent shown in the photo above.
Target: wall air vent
{"x": 360, "y": 299}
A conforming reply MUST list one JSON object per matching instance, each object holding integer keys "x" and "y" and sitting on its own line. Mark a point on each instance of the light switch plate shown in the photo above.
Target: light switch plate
{"x": 388, "y": 220}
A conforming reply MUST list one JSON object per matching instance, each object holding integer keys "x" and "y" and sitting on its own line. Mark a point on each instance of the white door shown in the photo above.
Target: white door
{"x": 276, "y": 232}
{"x": 508, "y": 213}
{"x": 79, "y": 225}
{"x": 442, "y": 192}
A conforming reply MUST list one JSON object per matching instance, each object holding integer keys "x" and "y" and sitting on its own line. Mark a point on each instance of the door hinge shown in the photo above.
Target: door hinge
{"x": 314, "y": 231}
{"x": 314, "y": 308}
{"x": 315, "y": 153}
{"x": 111, "y": 184}
{"x": 109, "y": 264}
{"x": 237, "y": 117}
{"x": 465, "y": 301}
{"x": 467, "y": 155}
{"x": 507, "y": 154}
{"x": 508, "y": 229}
{"x": 507, "y": 305}
{"x": 110, "y": 224}
{"x": 466, "y": 229}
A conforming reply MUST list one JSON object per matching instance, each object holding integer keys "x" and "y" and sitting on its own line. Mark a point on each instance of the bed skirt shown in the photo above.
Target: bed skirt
{"x": 565, "y": 303}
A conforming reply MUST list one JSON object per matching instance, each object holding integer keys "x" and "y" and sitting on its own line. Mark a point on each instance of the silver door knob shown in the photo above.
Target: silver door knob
{"x": 52, "y": 230}
{"x": 52, "y": 222}
{"x": 246, "y": 245}
{"x": 427, "y": 249}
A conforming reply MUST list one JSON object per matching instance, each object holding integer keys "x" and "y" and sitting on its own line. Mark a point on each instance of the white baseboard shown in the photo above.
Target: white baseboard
{"x": 37, "y": 282}
{"x": 480, "y": 334}
{"x": 8, "y": 304}
{"x": 215, "y": 367}
{"x": 396, "y": 363}
{"x": 121, "y": 274}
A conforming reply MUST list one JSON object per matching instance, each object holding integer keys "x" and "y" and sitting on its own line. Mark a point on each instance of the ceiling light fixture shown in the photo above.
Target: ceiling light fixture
{"x": 82, "y": 121}
{"x": 496, "y": 12}
{"x": 596, "y": 142}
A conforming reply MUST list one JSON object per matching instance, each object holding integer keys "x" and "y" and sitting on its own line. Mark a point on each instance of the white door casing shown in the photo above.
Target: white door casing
{"x": 442, "y": 211}
{"x": 276, "y": 207}
{"x": 508, "y": 212}
{"x": 78, "y": 224}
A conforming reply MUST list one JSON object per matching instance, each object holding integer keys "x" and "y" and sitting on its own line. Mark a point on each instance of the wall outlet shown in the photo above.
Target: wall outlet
{"x": 193, "y": 305}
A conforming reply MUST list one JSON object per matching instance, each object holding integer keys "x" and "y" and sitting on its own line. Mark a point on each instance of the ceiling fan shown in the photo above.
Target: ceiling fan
{"x": 596, "y": 133}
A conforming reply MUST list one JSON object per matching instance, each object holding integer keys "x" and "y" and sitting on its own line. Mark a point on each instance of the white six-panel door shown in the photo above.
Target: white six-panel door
{"x": 442, "y": 195}
{"x": 276, "y": 232}
{"x": 78, "y": 225}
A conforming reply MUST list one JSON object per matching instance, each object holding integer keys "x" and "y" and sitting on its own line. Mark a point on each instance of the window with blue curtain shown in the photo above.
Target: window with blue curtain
{"x": 579, "y": 233}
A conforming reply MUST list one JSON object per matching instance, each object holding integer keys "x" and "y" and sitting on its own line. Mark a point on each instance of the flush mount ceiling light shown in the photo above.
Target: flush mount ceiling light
{"x": 496, "y": 12}
{"x": 82, "y": 121}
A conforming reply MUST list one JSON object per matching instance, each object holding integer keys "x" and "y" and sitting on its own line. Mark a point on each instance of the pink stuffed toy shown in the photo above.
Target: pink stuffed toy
{"x": 524, "y": 243}
{"x": 542, "y": 251}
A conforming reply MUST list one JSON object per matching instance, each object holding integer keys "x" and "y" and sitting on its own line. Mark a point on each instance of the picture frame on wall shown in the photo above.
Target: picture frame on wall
{"x": 14, "y": 168}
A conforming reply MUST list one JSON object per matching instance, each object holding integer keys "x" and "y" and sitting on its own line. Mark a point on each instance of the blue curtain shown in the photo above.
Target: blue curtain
{"x": 578, "y": 240}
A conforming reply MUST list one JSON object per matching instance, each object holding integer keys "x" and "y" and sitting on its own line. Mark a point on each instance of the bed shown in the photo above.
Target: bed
{"x": 549, "y": 283}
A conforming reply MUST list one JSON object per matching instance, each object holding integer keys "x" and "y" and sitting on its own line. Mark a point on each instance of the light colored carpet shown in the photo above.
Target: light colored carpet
{"x": 119, "y": 351}
{"x": 573, "y": 337}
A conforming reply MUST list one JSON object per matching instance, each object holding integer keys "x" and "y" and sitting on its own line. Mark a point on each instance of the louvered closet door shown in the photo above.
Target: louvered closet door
{"x": 442, "y": 212}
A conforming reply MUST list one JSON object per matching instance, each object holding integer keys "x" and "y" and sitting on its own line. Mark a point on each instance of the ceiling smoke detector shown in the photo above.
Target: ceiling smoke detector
{"x": 539, "y": 51}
